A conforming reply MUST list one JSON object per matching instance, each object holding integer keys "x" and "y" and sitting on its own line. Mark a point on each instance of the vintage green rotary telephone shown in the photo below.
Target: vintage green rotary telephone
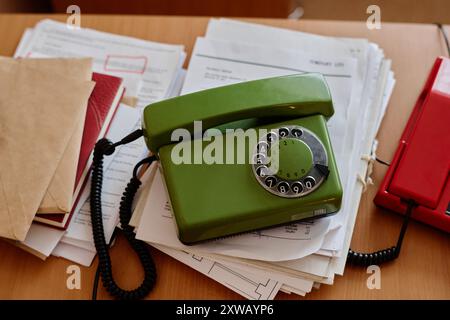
{"x": 289, "y": 172}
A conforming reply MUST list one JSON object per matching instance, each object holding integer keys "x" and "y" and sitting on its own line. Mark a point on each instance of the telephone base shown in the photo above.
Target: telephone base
{"x": 420, "y": 168}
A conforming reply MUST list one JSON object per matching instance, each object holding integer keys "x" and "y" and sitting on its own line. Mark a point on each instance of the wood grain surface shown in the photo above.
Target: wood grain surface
{"x": 421, "y": 272}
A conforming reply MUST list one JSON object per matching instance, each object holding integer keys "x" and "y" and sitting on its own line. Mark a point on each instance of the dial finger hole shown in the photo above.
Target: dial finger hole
{"x": 262, "y": 147}
{"x": 297, "y": 187}
{"x": 260, "y": 158}
{"x": 310, "y": 182}
{"x": 271, "y": 137}
{"x": 283, "y": 187}
{"x": 296, "y": 132}
{"x": 262, "y": 171}
{"x": 270, "y": 181}
{"x": 283, "y": 132}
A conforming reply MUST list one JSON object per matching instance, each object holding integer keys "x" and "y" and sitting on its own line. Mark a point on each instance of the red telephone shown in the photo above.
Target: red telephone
{"x": 421, "y": 165}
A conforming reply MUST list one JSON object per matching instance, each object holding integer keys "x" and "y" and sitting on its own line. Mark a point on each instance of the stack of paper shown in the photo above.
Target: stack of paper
{"x": 298, "y": 257}
{"x": 150, "y": 71}
{"x": 42, "y": 112}
{"x": 257, "y": 265}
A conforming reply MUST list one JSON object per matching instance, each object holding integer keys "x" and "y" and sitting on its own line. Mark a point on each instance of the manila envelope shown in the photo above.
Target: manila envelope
{"x": 59, "y": 195}
{"x": 39, "y": 114}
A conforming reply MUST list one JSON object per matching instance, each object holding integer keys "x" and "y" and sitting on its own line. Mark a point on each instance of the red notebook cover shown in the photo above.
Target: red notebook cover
{"x": 102, "y": 105}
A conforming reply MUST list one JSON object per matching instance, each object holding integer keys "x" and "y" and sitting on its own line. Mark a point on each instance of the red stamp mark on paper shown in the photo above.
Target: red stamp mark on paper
{"x": 128, "y": 64}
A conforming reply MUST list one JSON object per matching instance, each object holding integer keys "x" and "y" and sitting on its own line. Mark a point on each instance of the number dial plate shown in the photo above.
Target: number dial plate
{"x": 300, "y": 186}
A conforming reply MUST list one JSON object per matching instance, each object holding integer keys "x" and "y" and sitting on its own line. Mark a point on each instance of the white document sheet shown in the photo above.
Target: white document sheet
{"x": 299, "y": 283}
{"x": 368, "y": 102}
{"x": 23, "y": 43}
{"x": 218, "y": 63}
{"x": 118, "y": 170}
{"x": 43, "y": 239}
{"x": 151, "y": 71}
{"x": 380, "y": 89}
{"x": 373, "y": 116}
{"x": 313, "y": 267}
{"x": 148, "y": 68}
{"x": 74, "y": 253}
{"x": 316, "y": 45}
{"x": 369, "y": 58}
{"x": 248, "y": 285}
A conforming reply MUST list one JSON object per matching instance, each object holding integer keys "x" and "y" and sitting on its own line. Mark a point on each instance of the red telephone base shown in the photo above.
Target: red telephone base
{"x": 421, "y": 164}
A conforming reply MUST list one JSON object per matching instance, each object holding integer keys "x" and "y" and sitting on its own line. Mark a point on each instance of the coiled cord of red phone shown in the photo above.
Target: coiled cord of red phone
{"x": 385, "y": 255}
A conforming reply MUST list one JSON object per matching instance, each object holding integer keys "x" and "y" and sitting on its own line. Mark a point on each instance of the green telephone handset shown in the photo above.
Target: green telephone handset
{"x": 290, "y": 174}
{"x": 211, "y": 200}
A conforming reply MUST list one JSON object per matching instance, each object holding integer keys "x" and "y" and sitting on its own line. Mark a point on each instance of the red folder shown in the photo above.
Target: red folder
{"x": 102, "y": 106}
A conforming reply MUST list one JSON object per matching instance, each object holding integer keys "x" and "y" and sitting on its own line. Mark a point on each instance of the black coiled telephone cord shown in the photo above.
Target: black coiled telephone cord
{"x": 105, "y": 147}
{"x": 385, "y": 255}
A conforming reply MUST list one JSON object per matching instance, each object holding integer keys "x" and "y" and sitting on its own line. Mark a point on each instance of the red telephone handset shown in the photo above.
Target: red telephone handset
{"x": 421, "y": 165}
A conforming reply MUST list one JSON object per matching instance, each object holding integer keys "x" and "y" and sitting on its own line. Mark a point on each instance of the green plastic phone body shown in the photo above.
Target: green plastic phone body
{"x": 211, "y": 200}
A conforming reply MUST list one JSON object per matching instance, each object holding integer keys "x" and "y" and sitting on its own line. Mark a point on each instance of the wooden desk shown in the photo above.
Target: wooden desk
{"x": 421, "y": 272}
